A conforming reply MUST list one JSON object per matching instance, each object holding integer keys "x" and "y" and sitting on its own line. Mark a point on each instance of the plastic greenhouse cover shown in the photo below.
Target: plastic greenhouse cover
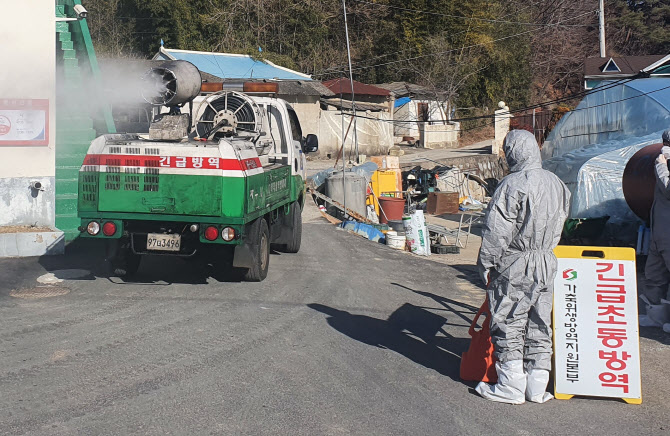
{"x": 589, "y": 149}
{"x": 628, "y": 110}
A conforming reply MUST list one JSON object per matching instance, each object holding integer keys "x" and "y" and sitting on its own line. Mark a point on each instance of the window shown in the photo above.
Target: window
{"x": 277, "y": 130}
{"x": 611, "y": 67}
{"x": 296, "y": 131}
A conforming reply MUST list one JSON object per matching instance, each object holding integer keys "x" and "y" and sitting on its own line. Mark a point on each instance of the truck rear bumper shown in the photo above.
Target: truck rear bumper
{"x": 136, "y": 231}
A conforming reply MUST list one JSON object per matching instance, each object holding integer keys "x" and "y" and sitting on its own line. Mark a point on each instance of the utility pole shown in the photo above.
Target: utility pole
{"x": 351, "y": 81}
{"x": 601, "y": 16}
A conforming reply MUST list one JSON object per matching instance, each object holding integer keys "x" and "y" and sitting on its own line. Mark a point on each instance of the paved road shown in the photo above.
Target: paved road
{"x": 345, "y": 337}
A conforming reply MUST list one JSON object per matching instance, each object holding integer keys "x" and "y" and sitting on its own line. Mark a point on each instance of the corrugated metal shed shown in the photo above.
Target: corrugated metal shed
{"x": 343, "y": 86}
{"x": 406, "y": 89}
{"x": 231, "y": 66}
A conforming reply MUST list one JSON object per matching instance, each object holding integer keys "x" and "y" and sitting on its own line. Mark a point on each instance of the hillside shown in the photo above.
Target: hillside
{"x": 475, "y": 51}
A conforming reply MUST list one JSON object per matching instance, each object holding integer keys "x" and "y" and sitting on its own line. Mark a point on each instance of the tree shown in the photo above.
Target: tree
{"x": 111, "y": 34}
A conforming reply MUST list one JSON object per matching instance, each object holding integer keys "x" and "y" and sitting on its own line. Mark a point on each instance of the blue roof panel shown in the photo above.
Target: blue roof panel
{"x": 230, "y": 66}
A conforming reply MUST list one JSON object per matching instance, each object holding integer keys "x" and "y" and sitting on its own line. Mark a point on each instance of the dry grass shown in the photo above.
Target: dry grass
{"x": 469, "y": 137}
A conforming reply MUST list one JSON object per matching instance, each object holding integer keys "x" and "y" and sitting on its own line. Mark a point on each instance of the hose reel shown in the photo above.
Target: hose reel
{"x": 228, "y": 113}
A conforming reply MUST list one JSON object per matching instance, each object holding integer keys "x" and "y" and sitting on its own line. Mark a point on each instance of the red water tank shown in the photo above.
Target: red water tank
{"x": 639, "y": 178}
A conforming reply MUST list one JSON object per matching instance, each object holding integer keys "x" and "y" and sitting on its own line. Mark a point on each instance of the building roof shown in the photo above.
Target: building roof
{"x": 231, "y": 66}
{"x": 618, "y": 65}
{"x": 360, "y": 105}
{"x": 286, "y": 87}
{"x": 343, "y": 86}
{"x": 406, "y": 89}
{"x": 304, "y": 87}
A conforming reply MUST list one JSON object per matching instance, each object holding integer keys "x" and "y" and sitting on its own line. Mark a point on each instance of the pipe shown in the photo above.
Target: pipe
{"x": 173, "y": 83}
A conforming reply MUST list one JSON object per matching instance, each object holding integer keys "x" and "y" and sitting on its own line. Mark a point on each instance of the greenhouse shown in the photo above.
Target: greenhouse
{"x": 589, "y": 148}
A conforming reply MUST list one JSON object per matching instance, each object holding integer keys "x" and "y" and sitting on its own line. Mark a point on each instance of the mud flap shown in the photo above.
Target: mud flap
{"x": 282, "y": 230}
{"x": 243, "y": 257}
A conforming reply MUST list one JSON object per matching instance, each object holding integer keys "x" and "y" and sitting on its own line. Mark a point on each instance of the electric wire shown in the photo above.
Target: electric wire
{"x": 324, "y": 72}
{"x": 486, "y": 20}
{"x": 494, "y": 116}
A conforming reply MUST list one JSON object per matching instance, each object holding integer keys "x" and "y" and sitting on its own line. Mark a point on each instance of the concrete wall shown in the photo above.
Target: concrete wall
{"x": 407, "y": 115}
{"x": 439, "y": 135}
{"x": 375, "y": 137}
{"x": 28, "y": 53}
{"x": 308, "y": 108}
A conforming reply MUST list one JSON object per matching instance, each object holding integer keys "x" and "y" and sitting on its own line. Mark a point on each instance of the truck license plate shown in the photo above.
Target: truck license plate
{"x": 159, "y": 241}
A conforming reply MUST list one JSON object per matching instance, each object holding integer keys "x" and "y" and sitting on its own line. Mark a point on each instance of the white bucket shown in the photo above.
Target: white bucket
{"x": 396, "y": 242}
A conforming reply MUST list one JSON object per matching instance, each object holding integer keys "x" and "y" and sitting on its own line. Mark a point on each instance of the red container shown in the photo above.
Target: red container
{"x": 391, "y": 208}
{"x": 478, "y": 363}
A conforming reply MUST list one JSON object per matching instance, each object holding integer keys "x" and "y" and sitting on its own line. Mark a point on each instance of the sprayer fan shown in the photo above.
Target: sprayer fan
{"x": 227, "y": 113}
{"x": 160, "y": 86}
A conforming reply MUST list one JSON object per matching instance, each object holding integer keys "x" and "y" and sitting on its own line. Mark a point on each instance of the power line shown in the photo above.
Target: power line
{"x": 623, "y": 99}
{"x": 481, "y": 117}
{"x": 335, "y": 69}
{"x": 324, "y": 72}
{"x": 486, "y": 20}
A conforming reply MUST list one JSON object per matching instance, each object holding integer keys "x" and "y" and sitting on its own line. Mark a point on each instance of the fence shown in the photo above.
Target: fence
{"x": 537, "y": 122}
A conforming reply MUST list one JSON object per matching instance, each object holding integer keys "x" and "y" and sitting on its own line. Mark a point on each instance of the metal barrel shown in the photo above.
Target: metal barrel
{"x": 639, "y": 178}
{"x": 172, "y": 83}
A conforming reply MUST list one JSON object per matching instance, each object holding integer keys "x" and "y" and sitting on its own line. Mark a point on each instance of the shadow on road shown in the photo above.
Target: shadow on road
{"x": 411, "y": 331}
{"x": 469, "y": 273}
{"x": 655, "y": 334}
{"x": 87, "y": 254}
{"x": 456, "y": 307}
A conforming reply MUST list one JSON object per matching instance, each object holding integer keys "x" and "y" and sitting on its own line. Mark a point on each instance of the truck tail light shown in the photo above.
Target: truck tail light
{"x": 228, "y": 234}
{"x": 109, "y": 228}
{"x": 211, "y": 233}
{"x": 93, "y": 228}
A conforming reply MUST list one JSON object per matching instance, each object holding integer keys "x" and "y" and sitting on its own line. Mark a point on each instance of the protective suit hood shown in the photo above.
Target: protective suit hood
{"x": 522, "y": 151}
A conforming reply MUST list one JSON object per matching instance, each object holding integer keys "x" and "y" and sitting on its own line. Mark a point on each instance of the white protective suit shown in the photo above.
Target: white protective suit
{"x": 523, "y": 225}
{"x": 657, "y": 268}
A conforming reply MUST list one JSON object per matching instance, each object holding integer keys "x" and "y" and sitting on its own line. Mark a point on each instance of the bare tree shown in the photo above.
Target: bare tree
{"x": 112, "y": 35}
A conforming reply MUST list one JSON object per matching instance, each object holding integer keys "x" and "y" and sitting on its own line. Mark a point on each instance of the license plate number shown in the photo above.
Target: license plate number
{"x": 160, "y": 242}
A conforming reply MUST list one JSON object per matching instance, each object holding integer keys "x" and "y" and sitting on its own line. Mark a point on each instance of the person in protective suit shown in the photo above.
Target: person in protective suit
{"x": 523, "y": 225}
{"x": 657, "y": 268}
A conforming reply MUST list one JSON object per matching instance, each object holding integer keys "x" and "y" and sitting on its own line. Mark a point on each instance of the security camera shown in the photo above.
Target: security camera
{"x": 80, "y": 11}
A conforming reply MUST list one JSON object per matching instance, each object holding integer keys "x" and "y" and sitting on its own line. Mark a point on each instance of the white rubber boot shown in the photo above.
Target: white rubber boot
{"x": 666, "y": 326}
{"x": 656, "y": 316}
{"x": 536, "y": 386}
{"x": 511, "y": 386}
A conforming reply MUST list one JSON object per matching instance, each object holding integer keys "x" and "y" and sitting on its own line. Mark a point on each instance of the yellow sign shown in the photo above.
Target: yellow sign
{"x": 596, "y": 334}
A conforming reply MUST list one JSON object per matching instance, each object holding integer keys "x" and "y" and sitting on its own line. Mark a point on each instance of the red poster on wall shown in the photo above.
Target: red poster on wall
{"x": 24, "y": 122}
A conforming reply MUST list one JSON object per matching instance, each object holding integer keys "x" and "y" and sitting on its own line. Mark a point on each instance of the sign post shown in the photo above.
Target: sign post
{"x": 596, "y": 334}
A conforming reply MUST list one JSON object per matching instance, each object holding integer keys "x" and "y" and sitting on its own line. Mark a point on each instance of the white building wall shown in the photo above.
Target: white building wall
{"x": 308, "y": 109}
{"x": 375, "y": 136}
{"x": 28, "y": 58}
{"x": 406, "y": 117}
